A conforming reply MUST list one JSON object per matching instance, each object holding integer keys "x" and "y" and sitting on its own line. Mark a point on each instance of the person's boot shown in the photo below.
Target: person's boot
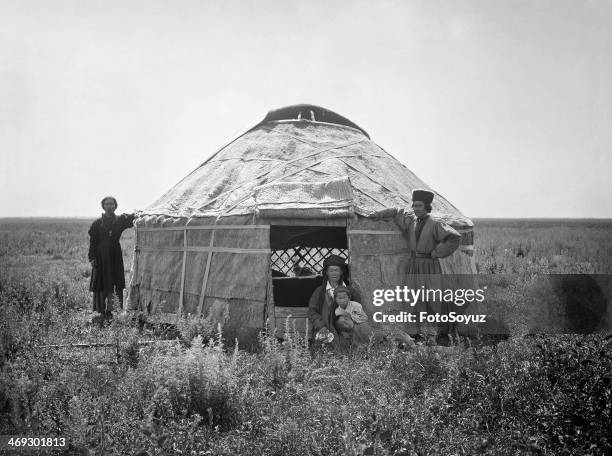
{"x": 98, "y": 320}
{"x": 119, "y": 298}
{"x": 443, "y": 340}
{"x": 431, "y": 340}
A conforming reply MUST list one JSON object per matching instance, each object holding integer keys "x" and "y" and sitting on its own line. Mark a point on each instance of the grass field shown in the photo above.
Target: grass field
{"x": 528, "y": 395}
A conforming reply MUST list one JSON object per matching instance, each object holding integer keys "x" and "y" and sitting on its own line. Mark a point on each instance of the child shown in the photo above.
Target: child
{"x": 348, "y": 313}
{"x": 344, "y": 325}
{"x": 351, "y": 309}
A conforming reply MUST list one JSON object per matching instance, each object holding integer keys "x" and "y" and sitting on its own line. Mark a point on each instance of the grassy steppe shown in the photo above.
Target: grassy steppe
{"x": 527, "y": 395}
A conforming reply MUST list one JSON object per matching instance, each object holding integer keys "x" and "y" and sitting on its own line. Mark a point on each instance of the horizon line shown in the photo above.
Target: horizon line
{"x": 85, "y": 217}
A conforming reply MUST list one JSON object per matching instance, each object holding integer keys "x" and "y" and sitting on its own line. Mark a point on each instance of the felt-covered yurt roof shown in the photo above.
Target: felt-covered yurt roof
{"x": 292, "y": 157}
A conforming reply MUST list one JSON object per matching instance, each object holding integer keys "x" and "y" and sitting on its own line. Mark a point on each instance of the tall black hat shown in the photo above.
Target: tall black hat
{"x": 336, "y": 260}
{"x": 422, "y": 195}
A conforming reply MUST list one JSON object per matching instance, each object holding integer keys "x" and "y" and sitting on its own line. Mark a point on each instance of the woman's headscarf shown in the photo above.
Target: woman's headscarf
{"x": 336, "y": 260}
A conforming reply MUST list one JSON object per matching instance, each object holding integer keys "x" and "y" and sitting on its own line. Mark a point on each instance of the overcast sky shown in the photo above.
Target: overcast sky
{"x": 504, "y": 107}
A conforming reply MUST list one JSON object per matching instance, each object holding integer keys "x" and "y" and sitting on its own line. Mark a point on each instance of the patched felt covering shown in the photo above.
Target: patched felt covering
{"x": 298, "y": 151}
{"x": 333, "y": 198}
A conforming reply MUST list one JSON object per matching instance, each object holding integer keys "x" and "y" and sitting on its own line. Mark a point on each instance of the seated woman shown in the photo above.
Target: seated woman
{"x": 322, "y": 305}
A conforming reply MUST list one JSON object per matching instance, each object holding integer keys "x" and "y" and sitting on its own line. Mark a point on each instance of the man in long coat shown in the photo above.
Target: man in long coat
{"x": 106, "y": 258}
{"x": 430, "y": 239}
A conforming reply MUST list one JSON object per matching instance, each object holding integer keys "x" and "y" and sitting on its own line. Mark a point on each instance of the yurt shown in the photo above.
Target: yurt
{"x": 242, "y": 238}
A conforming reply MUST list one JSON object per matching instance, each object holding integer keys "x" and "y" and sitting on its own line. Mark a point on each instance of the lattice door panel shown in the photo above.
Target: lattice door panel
{"x": 303, "y": 261}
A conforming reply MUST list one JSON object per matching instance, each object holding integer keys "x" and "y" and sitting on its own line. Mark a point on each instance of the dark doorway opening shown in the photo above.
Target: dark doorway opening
{"x": 297, "y": 260}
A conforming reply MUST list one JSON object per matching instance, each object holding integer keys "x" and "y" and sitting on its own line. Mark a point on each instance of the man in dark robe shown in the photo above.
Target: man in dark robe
{"x": 106, "y": 258}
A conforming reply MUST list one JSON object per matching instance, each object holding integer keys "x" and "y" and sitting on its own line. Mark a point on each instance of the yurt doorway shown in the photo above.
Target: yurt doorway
{"x": 297, "y": 265}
